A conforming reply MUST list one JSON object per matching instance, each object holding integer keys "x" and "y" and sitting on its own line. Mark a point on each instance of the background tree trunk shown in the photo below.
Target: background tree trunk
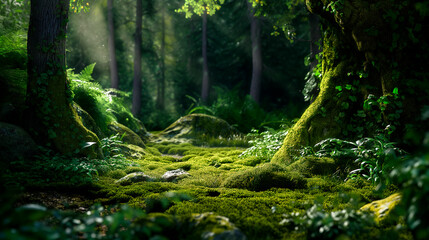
{"x": 114, "y": 77}
{"x": 137, "y": 83}
{"x": 255, "y": 36}
{"x": 50, "y": 116}
{"x": 161, "y": 81}
{"x": 205, "y": 83}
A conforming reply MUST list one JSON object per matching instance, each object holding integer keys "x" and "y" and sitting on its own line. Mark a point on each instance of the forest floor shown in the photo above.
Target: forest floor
{"x": 220, "y": 181}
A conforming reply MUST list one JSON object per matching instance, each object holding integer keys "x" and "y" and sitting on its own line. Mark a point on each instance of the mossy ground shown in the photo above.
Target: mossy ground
{"x": 238, "y": 188}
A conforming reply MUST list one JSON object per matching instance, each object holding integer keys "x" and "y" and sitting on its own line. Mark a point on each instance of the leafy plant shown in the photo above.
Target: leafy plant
{"x": 264, "y": 144}
{"x": 413, "y": 178}
{"x": 320, "y": 224}
{"x": 376, "y": 157}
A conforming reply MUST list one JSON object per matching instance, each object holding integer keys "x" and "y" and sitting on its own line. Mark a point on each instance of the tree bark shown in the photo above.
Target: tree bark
{"x": 205, "y": 83}
{"x": 50, "y": 116}
{"x": 255, "y": 36}
{"x": 161, "y": 81}
{"x": 114, "y": 77}
{"x": 137, "y": 82}
{"x": 367, "y": 51}
{"x": 315, "y": 37}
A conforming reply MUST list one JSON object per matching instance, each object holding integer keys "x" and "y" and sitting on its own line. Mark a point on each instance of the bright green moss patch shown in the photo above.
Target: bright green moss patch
{"x": 251, "y": 193}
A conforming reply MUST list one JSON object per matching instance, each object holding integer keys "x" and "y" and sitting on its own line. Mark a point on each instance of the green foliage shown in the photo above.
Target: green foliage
{"x": 200, "y": 6}
{"x": 104, "y": 106}
{"x": 241, "y": 112}
{"x": 376, "y": 157}
{"x": 413, "y": 178}
{"x": 264, "y": 144}
{"x": 320, "y": 224}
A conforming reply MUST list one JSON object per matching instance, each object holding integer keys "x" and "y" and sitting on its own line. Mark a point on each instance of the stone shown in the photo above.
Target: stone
{"x": 382, "y": 208}
{"x": 198, "y": 126}
{"x": 88, "y": 121}
{"x": 130, "y": 137}
{"x": 215, "y": 227}
{"x": 134, "y": 178}
{"x": 175, "y": 175}
{"x": 15, "y": 143}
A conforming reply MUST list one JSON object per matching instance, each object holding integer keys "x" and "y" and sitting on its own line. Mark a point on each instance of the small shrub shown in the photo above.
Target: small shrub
{"x": 413, "y": 178}
{"x": 319, "y": 224}
{"x": 376, "y": 157}
{"x": 264, "y": 144}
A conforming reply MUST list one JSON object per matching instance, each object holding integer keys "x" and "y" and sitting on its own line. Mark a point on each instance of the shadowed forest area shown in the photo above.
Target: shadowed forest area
{"x": 214, "y": 119}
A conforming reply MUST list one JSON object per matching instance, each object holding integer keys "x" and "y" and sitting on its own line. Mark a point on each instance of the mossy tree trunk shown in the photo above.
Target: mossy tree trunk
{"x": 371, "y": 51}
{"x": 50, "y": 116}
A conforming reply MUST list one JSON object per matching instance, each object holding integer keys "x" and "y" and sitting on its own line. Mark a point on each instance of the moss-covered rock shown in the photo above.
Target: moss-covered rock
{"x": 13, "y": 87}
{"x": 200, "y": 127}
{"x": 265, "y": 177}
{"x": 129, "y": 136}
{"x": 15, "y": 143}
{"x": 311, "y": 165}
{"x": 134, "y": 178}
{"x": 209, "y": 226}
{"x": 175, "y": 175}
{"x": 88, "y": 121}
{"x": 382, "y": 208}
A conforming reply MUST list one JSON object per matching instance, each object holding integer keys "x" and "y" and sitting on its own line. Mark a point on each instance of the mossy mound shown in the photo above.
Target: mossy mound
{"x": 15, "y": 144}
{"x": 310, "y": 165}
{"x": 382, "y": 208}
{"x": 265, "y": 177}
{"x": 199, "y": 127}
{"x": 129, "y": 136}
{"x": 88, "y": 121}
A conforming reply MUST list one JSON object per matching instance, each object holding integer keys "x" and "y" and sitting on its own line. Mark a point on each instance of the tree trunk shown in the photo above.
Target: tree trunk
{"x": 50, "y": 115}
{"x": 205, "y": 84}
{"x": 365, "y": 53}
{"x": 114, "y": 78}
{"x": 161, "y": 81}
{"x": 255, "y": 36}
{"x": 137, "y": 83}
{"x": 315, "y": 37}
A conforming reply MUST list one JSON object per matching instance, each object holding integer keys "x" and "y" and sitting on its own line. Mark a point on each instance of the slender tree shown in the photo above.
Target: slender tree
{"x": 255, "y": 36}
{"x": 114, "y": 77}
{"x": 205, "y": 83}
{"x": 161, "y": 80}
{"x": 50, "y": 117}
{"x": 137, "y": 82}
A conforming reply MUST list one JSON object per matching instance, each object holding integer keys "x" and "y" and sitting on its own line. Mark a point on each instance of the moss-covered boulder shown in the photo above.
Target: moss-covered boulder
{"x": 382, "y": 208}
{"x": 198, "y": 126}
{"x": 13, "y": 87}
{"x": 15, "y": 143}
{"x": 134, "y": 178}
{"x": 88, "y": 121}
{"x": 129, "y": 136}
{"x": 311, "y": 165}
{"x": 175, "y": 175}
{"x": 210, "y": 226}
{"x": 265, "y": 177}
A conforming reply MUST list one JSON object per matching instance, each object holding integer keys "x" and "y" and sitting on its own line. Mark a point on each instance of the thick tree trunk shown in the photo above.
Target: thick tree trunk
{"x": 315, "y": 37}
{"x": 50, "y": 116}
{"x": 114, "y": 77}
{"x": 205, "y": 83}
{"x": 161, "y": 81}
{"x": 366, "y": 50}
{"x": 255, "y": 36}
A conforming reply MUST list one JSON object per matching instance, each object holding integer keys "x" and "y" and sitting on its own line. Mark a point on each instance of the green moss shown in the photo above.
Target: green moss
{"x": 310, "y": 165}
{"x": 265, "y": 177}
{"x": 116, "y": 174}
